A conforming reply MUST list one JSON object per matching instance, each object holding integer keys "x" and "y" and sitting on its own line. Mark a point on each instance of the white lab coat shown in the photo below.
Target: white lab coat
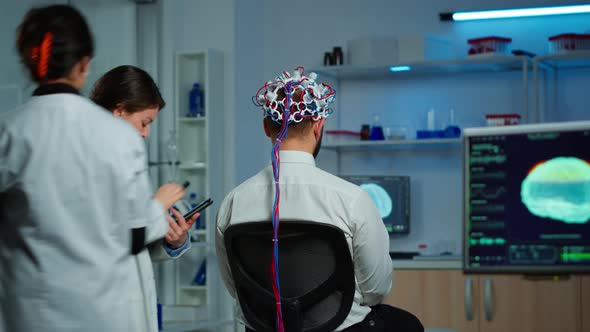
{"x": 143, "y": 297}
{"x": 73, "y": 181}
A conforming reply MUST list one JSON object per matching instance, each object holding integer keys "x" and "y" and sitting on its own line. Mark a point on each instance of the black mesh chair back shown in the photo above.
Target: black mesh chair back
{"x": 315, "y": 269}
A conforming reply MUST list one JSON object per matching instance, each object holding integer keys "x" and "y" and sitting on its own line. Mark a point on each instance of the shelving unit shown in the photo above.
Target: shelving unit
{"x": 474, "y": 64}
{"x": 199, "y": 160}
{"x": 471, "y": 64}
{"x": 417, "y": 70}
{"x": 553, "y": 64}
{"x": 387, "y": 145}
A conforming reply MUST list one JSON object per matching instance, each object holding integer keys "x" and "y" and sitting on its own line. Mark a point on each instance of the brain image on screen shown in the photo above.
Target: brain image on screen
{"x": 559, "y": 189}
{"x": 380, "y": 197}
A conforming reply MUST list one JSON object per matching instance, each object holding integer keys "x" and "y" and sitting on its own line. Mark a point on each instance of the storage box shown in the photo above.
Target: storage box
{"x": 372, "y": 51}
{"x": 489, "y": 45}
{"x": 421, "y": 48}
{"x": 494, "y": 120}
{"x": 568, "y": 42}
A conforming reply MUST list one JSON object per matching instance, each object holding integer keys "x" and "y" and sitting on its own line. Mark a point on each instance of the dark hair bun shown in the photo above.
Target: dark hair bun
{"x": 51, "y": 40}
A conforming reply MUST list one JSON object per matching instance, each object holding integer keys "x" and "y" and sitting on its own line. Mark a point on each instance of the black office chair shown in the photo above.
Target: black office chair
{"x": 316, "y": 274}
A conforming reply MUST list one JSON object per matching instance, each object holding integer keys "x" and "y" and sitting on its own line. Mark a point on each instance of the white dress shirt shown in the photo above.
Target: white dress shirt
{"x": 308, "y": 193}
{"x": 73, "y": 182}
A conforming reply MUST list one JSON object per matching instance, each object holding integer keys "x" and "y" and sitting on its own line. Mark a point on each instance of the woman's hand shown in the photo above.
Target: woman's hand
{"x": 169, "y": 194}
{"x": 178, "y": 230}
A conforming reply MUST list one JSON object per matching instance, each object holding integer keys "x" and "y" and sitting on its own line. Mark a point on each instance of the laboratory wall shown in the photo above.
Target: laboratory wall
{"x": 262, "y": 38}
{"x": 301, "y": 34}
{"x": 14, "y": 81}
{"x": 113, "y": 23}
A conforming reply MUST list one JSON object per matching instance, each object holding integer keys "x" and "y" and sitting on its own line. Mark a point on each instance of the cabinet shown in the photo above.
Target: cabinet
{"x": 586, "y": 304}
{"x": 200, "y": 156}
{"x": 450, "y": 299}
{"x": 511, "y": 303}
{"x": 439, "y": 298}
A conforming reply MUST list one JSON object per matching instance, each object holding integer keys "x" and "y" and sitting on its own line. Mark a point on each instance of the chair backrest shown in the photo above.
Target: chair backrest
{"x": 315, "y": 270}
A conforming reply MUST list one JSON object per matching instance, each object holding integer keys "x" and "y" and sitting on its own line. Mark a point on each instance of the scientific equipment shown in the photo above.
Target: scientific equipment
{"x": 391, "y": 195}
{"x": 201, "y": 276}
{"x": 196, "y": 105}
{"x": 337, "y": 56}
{"x": 376, "y": 129}
{"x": 527, "y": 198}
{"x": 395, "y": 133}
{"x": 172, "y": 154}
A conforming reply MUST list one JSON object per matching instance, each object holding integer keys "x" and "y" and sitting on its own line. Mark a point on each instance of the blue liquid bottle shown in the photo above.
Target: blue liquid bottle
{"x": 201, "y": 276}
{"x": 196, "y": 102}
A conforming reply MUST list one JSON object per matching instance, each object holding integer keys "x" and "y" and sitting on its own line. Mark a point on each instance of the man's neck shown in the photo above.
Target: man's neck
{"x": 297, "y": 145}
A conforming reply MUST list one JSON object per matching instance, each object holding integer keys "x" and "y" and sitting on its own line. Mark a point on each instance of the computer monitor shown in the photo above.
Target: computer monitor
{"x": 527, "y": 198}
{"x": 391, "y": 195}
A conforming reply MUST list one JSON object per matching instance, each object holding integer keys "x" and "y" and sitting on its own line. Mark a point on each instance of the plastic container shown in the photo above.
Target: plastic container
{"x": 489, "y": 45}
{"x": 196, "y": 104}
{"x": 395, "y": 133}
{"x": 502, "y": 119}
{"x": 568, "y": 42}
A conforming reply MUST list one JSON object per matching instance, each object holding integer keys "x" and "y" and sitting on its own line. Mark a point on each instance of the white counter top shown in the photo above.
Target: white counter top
{"x": 446, "y": 263}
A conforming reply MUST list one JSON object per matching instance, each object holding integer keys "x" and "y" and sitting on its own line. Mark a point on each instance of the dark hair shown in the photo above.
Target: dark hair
{"x": 295, "y": 128}
{"x": 127, "y": 87}
{"x": 51, "y": 40}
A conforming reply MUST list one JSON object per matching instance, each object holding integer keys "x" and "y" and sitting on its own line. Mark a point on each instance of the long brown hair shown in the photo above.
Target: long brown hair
{"x": 129, "y": 88}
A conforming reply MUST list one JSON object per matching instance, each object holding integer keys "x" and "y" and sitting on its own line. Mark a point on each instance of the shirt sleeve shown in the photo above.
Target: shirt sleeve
{"x": 14, "y": 156}
{"x": 175, "y": 253}
{"x": 143, "y": 211}
{"x": 370, "y": 241}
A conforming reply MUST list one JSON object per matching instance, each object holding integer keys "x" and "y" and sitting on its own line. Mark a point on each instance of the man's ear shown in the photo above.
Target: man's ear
{"x": 318, "y": 126}
{"x": 265, "y": 125}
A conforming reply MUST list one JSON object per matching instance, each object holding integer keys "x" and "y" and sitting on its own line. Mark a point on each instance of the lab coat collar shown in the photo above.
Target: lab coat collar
{"x": 53, "y": 88}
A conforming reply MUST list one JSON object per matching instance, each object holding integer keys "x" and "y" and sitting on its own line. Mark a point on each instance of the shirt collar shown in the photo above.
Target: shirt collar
{"x": 53, "y": 88}
{"x": 295, "y": 156}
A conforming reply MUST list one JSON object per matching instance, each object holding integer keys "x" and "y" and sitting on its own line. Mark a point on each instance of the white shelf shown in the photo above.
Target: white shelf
{"x": 199, "y": 232}
{"x": 495, "y": 63}
{"x": 200, "y": 160}
{"x": 194, "y": 288}
{"x": 191, "y": 326}
{"x": 565, "y": 60}
{"x": 193, "y": 166}
{"x": 380, "y": 145}
{"x": 201, "y": 119}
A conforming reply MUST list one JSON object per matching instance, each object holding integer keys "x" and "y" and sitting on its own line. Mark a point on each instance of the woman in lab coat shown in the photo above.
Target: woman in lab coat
{"x": 73, "y": 183}
{"x": 132, "y": 95}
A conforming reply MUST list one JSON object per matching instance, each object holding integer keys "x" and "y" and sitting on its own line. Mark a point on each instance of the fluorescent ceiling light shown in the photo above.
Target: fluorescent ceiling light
{"x": 399, "y": 68}
{"x": 511, "y": 13}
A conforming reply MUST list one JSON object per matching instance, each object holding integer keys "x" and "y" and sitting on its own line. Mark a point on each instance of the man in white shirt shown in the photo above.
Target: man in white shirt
{"x": 308, "y": 193}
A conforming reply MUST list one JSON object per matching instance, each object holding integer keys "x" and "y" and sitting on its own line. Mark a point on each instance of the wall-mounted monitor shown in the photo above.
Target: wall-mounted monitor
{"x": 527, "y": 198}
{"x": 391, "y": 195}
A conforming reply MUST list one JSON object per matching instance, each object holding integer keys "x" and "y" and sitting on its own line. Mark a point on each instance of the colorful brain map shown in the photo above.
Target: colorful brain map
{"x": 380, "y": 197}
{"x": 559, "y": 189}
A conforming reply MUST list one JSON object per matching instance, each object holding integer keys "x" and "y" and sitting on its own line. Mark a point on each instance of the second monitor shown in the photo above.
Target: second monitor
{"x": 391, "y": 195}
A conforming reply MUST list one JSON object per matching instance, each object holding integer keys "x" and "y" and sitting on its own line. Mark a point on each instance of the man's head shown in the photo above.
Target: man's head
{"x": 302, "y": 103}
